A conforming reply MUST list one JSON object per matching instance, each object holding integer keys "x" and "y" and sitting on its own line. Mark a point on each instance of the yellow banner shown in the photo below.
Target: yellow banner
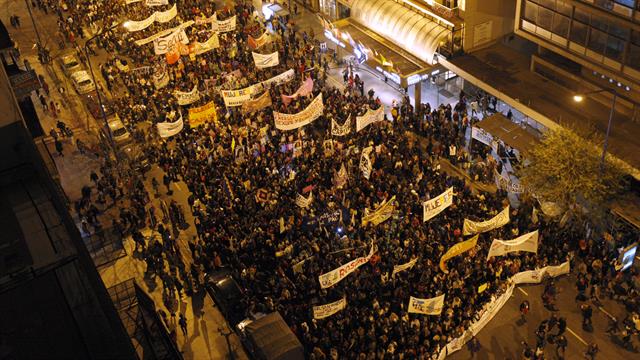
{"x": 198, "y": 115}
{"x": 382, "y": 213}
{"x": 456, "y": 250}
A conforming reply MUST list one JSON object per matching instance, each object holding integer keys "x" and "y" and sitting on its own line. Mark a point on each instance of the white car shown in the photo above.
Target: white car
{"x": 82, "y": 82}
{"x": 70, "y": 64}
{"x": 119, "y": 132}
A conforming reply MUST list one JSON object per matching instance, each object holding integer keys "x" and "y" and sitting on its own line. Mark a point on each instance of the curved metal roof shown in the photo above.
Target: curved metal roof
{"x": 403, "y": 26}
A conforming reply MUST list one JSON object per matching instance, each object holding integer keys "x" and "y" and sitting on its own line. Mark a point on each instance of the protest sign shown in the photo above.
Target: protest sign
{"x": 365, "y": 162}
{"x": 162, "y": 45}
{"x": 163, "y": 33}
{"x": 456, "y": 250}
{"x": 431, "y": 306}
{"x": 527, "y": 242}
{"x": 186, "y": 98}
{"x": 261, "y": 102}
{"x": 341, "y": 177}
{"x": 304, "y": 202}
{"x": 159, "y": 16}
{"x": 261, "y": 40}
{"x": 382, "y": 213}
{"x": 305, "y": 89}
{"x": 168, "y": 129}
{"x": 436, "y": 205}
{"x": 160, "y": 77}
{"x": 198, "y": 115}
{"x": 198, "y": 48}
{"x": 222, "y": 26}
{"x": 265, "y": 61}
{"x": 403, "y": 267}
{"x": 335, "y": 276}
{"x": 472, "y": 227}
{"x": 323, "y": 311}
{"x": 369, "y": 117}
{"x": 340, "y": 130}
{"x": 306, "y": 116}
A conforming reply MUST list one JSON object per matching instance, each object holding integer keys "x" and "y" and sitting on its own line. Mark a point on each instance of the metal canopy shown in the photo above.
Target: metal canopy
{"x": 511, "y": 133}
{"x": 409, "y": 29}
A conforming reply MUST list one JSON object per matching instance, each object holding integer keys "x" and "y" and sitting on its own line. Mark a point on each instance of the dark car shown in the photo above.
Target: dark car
{"x": 228, "y": 295}
{"x": 133, "y": 153}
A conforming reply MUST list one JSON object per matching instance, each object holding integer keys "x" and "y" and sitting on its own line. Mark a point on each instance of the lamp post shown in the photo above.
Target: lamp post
{"x": 580, "y": 97}
{"x": 93, "y": 76}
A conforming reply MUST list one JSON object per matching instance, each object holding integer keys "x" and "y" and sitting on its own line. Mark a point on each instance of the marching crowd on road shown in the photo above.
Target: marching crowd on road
{"x": 281, "y": 208}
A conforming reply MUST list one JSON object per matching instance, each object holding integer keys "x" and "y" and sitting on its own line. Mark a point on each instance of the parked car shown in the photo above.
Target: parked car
{"x": 228, "y": 295}
{"x": 92, "y": 104}
{"x": 82, "y": 82}
{"x": 119, "y": 132}
{"x": 133, "y": 153}
{"x": 69, "y": 63}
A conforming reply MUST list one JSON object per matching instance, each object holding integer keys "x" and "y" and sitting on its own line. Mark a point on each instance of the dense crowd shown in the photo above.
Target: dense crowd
{"x": 276, "y": 249}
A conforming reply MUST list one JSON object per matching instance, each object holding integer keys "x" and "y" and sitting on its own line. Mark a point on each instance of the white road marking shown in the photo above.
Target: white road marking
{"x": 577, "y": 336}
{"x": 605, "y": 311}
{"x": 524, "y": 292}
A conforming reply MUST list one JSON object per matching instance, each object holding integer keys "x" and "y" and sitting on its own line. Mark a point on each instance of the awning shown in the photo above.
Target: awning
{"x": 409, "y": 29}
{"x": 509, "y": 132}
{"x": 273, "y": 339}
{"x": 628, "y": 208}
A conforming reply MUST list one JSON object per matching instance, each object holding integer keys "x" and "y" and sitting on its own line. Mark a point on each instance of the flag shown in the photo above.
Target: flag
{"x": 233, "y": 144}
{"x": 342, "y": 177}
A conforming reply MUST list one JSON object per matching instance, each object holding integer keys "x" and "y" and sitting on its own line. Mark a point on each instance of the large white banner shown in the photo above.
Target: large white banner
{"x": 186, "y": 98}
{"x": 163, "y": 33}
{"x": 223, "y": 26}
{"x": 323, "y": 311}
{"x": 365, "y": 162}
{"x": 435, "y": 206}
{"x": 150, "y": 2}
{"x": 279, "y": 79}
{"x": 168, "y": 129}
{"x": 527, "y": 242}
{"x": 163, "y": 45}
{"x": 206, "y": 20}
{"x": 239, "y": 97}
{"x": 472, "y": 227}
{"x": 212, "y": 42}
{"x": 159, "y": 16}
{"x": 403, "y": 267}
{"x": 340, "y": 130}
{"x": 431, "y": 306}
{"x": 482, "y": 136}
{"x": 265, "y": 61}
{"x": 335, "y": 276}
{"x": 160, "y": 77}
{"x": 369, "y": 117}
{"x": 536, "y": 276}
{"x": 304, "y": 117}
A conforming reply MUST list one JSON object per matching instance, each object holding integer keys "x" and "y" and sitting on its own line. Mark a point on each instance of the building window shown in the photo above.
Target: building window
{"x": 531, "y": 12}
{"x": 615, "y": 48}
{"x": 597, "y": 40}
{"x": 560, "y": 25}
{"x": 564, "y": 8}
{"x": 633, "y": 57}
{"x": 545, "y": 18}
{"x": 582, "y": 15}
{"x": 579, "y": 33}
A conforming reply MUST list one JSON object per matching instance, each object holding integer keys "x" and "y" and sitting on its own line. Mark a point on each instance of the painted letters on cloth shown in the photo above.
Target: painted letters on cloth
{"x": 536, "y": 276}
{"x": 435, "y": 206}
{"x": 456, "y": 250}
{"x": 382, "y": 213}
{"x": 279, "y": 79}
{"x": 206, "y": 20}
{"x": 198, "y": 115}
{"x": 431, "y": 306}
{"x": 527, "y": 242}
{"x": 263, "y": 101}
{"x": 162, "y": 45}
{"x": 483, "y": 136}
{"x": 326, "y": 310}
{"x": 341, "y": 177}
{"x": 163, "y": 33}
{"x": 365, "y": 162}
{"x": 493, "y": 307}
{"x": 265, "y": 61}
{"x": 223, "y": 26}
{"x": 304, "y": 202}
{"x": 472, "y": 227}
{"x": 150, "y": 2}
{"x": 160, "y": 77}
{"x": 257, "y": 43}
{"x": 335, "y": 276}
{"x": 504, "y": 182}
{"x": 200, "y": 48}
{"x": 186, "y": 98}
{"x": 237, "y": 97}
{"x": 168, "y": 129}
{"x": 403, "y": 267}
{"x": 159, "y": 16}
{"x": 340, "y": 130}
{"x": 369, "y": 117}
{"x": 304, "y": 117}
{"x": 305, "y": 89}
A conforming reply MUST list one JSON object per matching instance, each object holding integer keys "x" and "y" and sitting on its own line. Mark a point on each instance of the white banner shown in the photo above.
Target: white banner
{"x": 239, "y": 97}
{"x": 536, "y": 276}
{"x": 279, "y": 79}
{"x": 163, "y": 33}
{"x": 504, "y": 182}
{"x": 226, "y": 25}
{"x": 365, "y": 162}
{"x": 159, "y": 16}
{"x": 340, "y": 130}
{"x": 168, "y": 129}
{"x": 163, "y": 45}
{"x": 472, "y": 227}
{"x": 186, "y": 98}
{"x": 382, "y": 212}
{"x": 323, "y": 311}
{"x": 204, "y": 20}
{"x": 341, "y": 177}
{"x": 335, "y": 276}
{"x": 150, "y": 2}
{"x": 212, "y": 42}
{"x": 265, "y": 61}
{"x": 431, "y": 306}
{"x": 160, "y": 77}
{"x": 483, "y": 136}
{"x": 304, "y": 117}
{"x": 369, "y": 117}
{"x": 261, "y": 40}
{"x": 304, "y": 202}
{"x": 527, "y": 242}
{"x": 403, "y": 267}
{"x": 435, "y": 206}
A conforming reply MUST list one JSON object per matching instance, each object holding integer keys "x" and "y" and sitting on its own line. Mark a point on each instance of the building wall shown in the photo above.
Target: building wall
{"x": 486, "y": 21}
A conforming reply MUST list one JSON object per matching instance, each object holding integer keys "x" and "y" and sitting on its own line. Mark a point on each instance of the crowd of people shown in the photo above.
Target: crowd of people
{"x": 276, "y": 249}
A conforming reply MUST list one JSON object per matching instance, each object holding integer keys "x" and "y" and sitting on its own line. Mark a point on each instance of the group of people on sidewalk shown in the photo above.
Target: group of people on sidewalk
{"x": 245, "y": 177}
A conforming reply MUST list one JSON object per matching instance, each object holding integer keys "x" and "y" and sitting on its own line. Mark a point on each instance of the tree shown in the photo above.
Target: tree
{"x": 565, "y": 168}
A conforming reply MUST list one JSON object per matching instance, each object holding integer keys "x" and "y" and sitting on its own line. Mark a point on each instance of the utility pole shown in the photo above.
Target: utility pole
{"x": 38, "y": 39}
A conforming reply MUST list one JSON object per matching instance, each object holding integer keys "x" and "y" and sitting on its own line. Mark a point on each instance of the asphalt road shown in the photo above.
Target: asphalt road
{"x": 501, "y": 338}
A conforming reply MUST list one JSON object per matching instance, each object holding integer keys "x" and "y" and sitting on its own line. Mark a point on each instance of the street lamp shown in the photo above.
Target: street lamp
{"x": 579, "y": 97}
{"x": 93, "y": 76}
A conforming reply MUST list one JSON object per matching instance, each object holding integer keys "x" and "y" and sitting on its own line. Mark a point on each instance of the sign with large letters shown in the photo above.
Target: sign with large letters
{"x": 323, "y": 311}
{"x": 198, "y": 115}
{"x": 158, "y": 16}
{"x": 168, "y": 129}
{"x": 335, "y": 276}
{"x": 186, "y": 98}
{"x": 435, "y": 206}
{"x": 527, "y": 242}
{"x": 304, "y": 117}
{"x": 431, "y": 306}
{"x": 473, "y": 227}
{"x": 163, "y": 45}
{"x": 369, "y": 117}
